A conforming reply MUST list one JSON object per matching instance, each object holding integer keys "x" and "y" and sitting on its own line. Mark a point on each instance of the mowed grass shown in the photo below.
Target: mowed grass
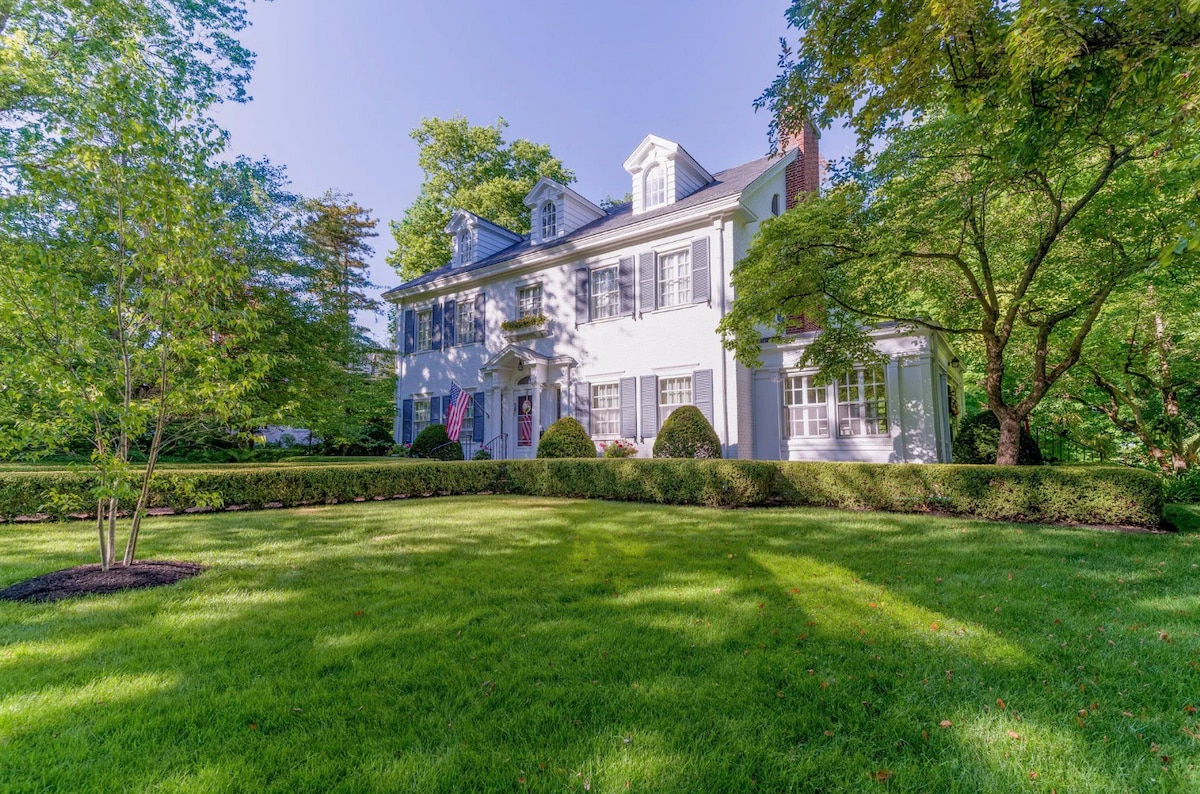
{"x": 513, "y": 644}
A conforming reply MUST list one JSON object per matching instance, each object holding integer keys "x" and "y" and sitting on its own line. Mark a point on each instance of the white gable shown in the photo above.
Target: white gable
{"x": 663, "y": 173}
{"x": 557, "y": 210}
{"x": 475, "y": 238}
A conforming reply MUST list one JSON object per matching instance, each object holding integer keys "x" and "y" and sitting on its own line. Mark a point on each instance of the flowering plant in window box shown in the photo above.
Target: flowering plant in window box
{"x": 618, "y": 449}
{"x": 522, "y": 323}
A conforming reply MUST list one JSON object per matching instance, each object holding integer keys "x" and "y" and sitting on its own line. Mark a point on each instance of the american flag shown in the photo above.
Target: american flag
{"x": 459, "y": 401}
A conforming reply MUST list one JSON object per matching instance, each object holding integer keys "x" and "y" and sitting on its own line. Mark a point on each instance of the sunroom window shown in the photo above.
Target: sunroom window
{"x": 862, "y": 403}
{"x": 807, "y": 407}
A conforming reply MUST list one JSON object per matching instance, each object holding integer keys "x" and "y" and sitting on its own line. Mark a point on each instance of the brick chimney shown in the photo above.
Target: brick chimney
{"x": 804, "y": 173}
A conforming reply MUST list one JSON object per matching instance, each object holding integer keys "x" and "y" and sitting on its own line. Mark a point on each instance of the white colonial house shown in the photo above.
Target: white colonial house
{"x": 610, "y": 316}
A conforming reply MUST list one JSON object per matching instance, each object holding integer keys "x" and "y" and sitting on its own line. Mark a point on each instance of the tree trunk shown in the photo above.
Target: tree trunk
{"x": 1010, "y": 439}
{"x": 100, "y": 530}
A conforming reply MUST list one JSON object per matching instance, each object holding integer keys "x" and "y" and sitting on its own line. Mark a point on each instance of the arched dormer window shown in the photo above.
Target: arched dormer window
{"x": 549, "y": 221}
{"x": 655, "y": 194}
{"x": 775, "y": 204}
{"x": 466, "y": 251}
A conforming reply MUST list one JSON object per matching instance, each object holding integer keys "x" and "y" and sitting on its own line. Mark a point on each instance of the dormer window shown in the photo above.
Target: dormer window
{"x": 656, "y": 187}
{"x": 466, "y": 250}
{"x": 549, "y": 220}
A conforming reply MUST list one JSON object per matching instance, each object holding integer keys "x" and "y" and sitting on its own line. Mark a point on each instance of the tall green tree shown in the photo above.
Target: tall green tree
{"x": 121, "y": 280}
{"x": 1142, "y": 369}
{"x": 1017, "y": 164}
{"x": 473, "y": 168}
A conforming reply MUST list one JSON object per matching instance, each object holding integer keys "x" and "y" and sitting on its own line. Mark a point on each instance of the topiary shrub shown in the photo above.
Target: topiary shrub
{"x": 687, "y": 434}
{"x": 978, "y": 441}
{"x": 433, "y": 443}
{"x": 566, "y": 438}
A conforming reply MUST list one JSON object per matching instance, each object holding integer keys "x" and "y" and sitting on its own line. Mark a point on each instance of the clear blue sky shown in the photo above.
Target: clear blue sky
{"x": 339, "y": 85}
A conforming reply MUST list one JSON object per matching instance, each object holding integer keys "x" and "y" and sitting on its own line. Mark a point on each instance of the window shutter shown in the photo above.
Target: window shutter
{"x": 445, "y": 408}
{"x": 648, "y": 300}
{"x": 436, "y": 331}
{"x": 582, "y": 297}
{"x": 410, "y": 331}
{"x": 701, "y": 282}
{"x": 406, "y": 416}
{"x": 583, "y": 405}
{"x": 702, "y": 392}
{"x": 435, "y": 411}
{"x": 625, "y": 285}
{"x": 480, "y": 305}
{"x": 477, "y": 419}
{"x": 649, "y": 406}
{"x": 628, "y": 408}
{"x": 451, "y": 332}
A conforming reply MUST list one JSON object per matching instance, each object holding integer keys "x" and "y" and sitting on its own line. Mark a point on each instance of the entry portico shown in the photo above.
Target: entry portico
{"x": 525, "y": 389}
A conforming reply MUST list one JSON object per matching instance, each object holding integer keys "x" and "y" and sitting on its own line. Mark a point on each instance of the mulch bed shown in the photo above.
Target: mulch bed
{"x": 91, "y": 580}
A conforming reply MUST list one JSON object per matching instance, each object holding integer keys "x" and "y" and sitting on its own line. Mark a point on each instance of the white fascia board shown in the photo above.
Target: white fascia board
{"x": 535, "y": 260}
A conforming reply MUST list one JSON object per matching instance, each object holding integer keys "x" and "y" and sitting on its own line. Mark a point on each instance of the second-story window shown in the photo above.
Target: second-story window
{"x": 656, "y": 187}
{"x": 466, "y": 250}
{"x": 674, "y": 278}
{"x": 529, "y": 301}
{"x": 425, "y": 330}
{"x": 465, "y": 322}
{"x": 606, "y": 299}
{"x": 549, "y": 220}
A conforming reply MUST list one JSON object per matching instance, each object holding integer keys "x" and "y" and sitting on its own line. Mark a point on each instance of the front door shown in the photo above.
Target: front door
{"x": 526, "y": 438}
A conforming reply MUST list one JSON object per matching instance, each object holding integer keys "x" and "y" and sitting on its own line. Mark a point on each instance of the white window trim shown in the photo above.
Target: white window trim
{"x": 592, "y": 410}
{"x": 658, "y": 276}
{"x": 459, "y": 339}
{"x": 652, "y": 168}
{"x": 427, "y": 401}
{"x": 616, "y": 268}
{"x": 541, "y": 303}
{"x": 428, "y": 310}
{"x": 859, "y": 374}
{"x": 662, "y": 381}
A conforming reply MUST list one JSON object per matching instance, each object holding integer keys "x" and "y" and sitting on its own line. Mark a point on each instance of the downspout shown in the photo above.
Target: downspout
{"x": 719, "y": 225}
{"x": 398, "y": 427}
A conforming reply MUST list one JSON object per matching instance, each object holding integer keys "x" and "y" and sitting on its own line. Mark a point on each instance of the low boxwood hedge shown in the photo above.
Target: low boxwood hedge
{"x": 1084, "y": 495}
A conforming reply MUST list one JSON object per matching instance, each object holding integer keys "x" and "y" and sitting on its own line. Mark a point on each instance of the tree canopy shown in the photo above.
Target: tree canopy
{"x": 1018, "y": 164}
{"x": 473, "y": 168}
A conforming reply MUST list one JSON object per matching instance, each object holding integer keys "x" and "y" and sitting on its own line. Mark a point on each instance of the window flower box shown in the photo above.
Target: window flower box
{"x": 532, "y": 326}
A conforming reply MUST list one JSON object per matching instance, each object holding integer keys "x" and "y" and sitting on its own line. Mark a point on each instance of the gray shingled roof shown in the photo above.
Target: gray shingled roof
{"x": 725, "y": 183}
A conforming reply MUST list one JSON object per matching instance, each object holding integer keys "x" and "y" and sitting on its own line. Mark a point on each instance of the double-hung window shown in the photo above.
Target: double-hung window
{"x": 606, "y": 409}
{"x": 606, "y": 298}
{"x": 549, "y": 221}
{"x": 807, "y": 407}
{"x": 672, "y": 393}
{"x": 420, "y": 415}
{"x": 464, "y": 322}
{"x": 425, "y": 330}
{"x": 674, "y": 278}
{"x": 862, "y": 403}
{"x": 529, "y": 301}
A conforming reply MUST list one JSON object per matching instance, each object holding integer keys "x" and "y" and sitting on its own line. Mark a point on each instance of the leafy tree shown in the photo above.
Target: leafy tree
{"x": 121, "y": 285}
{"x": 1017, "y": 164}
{"x": 472, "y": 168}
{"x": 1142, "y": 371}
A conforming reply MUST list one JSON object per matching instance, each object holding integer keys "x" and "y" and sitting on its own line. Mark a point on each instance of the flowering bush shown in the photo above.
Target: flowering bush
{"x": 619, "y": 449}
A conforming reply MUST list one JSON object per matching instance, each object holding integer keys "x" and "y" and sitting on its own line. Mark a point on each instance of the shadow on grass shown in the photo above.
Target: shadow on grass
{"x": 467, "y": 644}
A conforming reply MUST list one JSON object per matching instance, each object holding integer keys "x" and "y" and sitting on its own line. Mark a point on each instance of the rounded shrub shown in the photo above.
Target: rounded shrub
{"x": 433, "y": 443}
{"x": 481, "y": 454}
{"x": 566, "y": 438}
{"x": 978, "y": 441}
{"x": 687, "y": 434}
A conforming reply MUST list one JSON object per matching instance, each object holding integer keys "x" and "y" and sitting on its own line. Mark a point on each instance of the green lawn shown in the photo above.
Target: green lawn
{"x": 495, "y": 643}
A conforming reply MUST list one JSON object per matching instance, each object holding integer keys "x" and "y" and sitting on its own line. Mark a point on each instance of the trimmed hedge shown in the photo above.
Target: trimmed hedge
{"x": 1083, "y": 495}
{"x": 566, "y": 438}
{"x": 687, "y": 434}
